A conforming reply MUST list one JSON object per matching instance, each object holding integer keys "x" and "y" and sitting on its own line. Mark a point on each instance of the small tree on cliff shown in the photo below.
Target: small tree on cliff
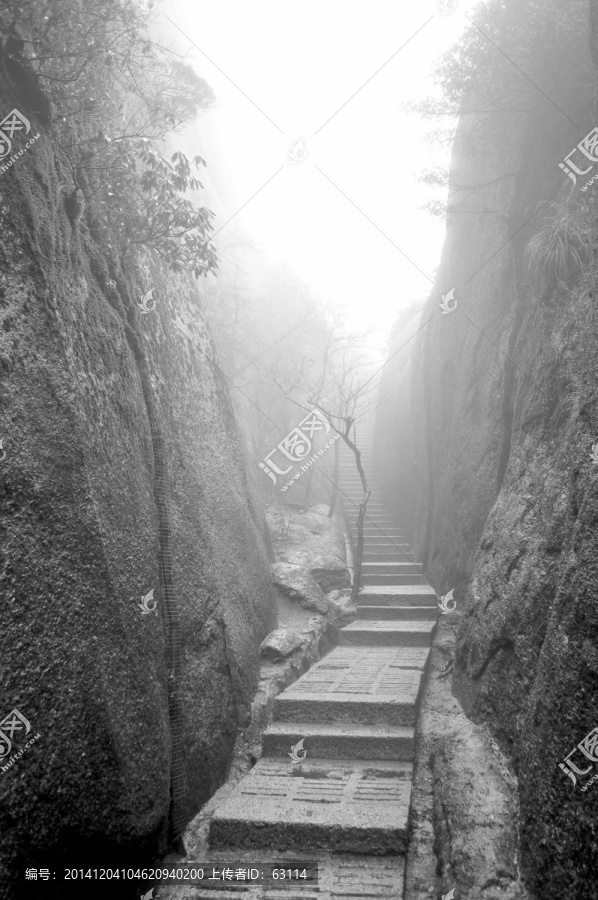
{"x": 334, "y": 381}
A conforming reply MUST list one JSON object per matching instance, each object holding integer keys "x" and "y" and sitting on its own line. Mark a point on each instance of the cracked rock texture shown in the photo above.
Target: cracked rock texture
{"x": 83, "y": 377}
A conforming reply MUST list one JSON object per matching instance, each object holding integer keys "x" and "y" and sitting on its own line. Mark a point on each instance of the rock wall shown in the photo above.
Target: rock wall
{"x": 123, "y": 474}
{"x": 494, "y": 421}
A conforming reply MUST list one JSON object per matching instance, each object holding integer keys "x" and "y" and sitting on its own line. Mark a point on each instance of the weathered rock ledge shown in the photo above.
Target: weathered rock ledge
{"x": 465, "y": 808}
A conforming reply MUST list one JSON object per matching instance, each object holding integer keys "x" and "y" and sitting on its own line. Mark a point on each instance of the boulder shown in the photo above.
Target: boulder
{"x": 340, "y": 603}
{"x": 297, "y": 583}
{"x": 314, "y": 541}
{"x": 281, "y": 643}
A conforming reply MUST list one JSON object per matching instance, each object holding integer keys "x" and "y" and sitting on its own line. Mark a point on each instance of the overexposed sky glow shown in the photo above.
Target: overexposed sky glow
{"x": 283, "y": 72}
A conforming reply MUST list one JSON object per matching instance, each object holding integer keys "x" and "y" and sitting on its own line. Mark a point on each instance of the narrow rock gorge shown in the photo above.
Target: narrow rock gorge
{"x": 299, "y": 449}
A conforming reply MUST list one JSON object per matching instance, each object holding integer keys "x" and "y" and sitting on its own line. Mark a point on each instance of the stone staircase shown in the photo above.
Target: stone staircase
{"x": 346, "y": 804}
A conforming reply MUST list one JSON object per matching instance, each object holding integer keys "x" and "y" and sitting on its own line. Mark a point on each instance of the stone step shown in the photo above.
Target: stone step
{"x": 356, "y": 490}
{"x": 371, "y": 508}
{"x": 397, "y": 543}
{"x": 349, "y": 806}
{"x": 388, "y": 633}
{"x": 373, "y": 529}
{"x": 386, "y": 695}
{"x": 352, "y": 499}
{"x": 390, "y": 555}
{"x": 352, "y": 511}
{"x": 398, "y": 556}
{"x": 398, "y": 595}
{"x": 374, "y": 516}
{"x": 352, "y": 502}
{"x": 397, "y": 612}
{"x": 378, "y": 543}
{"x": 391, "y": 568}
{"x": 352, "y": 478}
{"x": 350, "y": 481}
{"x": 377, "y": 526}
{"x": 390, "y": 580}
{"x": 392, "y": 531}
{"x": 373, "y": 522}
{"x": 371, "y": 514}
{"x": 357, "y": 496}
{"x": 340, "y": 741}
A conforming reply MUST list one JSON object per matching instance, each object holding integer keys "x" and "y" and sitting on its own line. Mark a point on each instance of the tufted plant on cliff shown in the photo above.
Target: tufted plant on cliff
{"x": 115, "y": 96}
{"x": 558, "y": 252}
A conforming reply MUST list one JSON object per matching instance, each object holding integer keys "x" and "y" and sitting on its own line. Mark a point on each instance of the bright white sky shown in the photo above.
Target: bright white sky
{"x": 285, "y": 69}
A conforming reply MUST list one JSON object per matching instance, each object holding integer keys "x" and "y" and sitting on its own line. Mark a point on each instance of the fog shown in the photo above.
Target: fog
{"x": 346, "y": 214}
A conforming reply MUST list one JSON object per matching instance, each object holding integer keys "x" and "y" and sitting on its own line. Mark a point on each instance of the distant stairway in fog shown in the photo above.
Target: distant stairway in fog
{"x": 347, "y": 804}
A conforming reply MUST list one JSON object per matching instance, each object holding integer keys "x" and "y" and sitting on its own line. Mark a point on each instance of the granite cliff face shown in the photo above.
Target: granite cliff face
{"x": 493, "y": 426}
{"x": 123, "y": 474}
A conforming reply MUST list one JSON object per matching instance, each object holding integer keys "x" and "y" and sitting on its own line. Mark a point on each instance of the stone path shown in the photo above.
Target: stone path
{"x": 346, "y": 803}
